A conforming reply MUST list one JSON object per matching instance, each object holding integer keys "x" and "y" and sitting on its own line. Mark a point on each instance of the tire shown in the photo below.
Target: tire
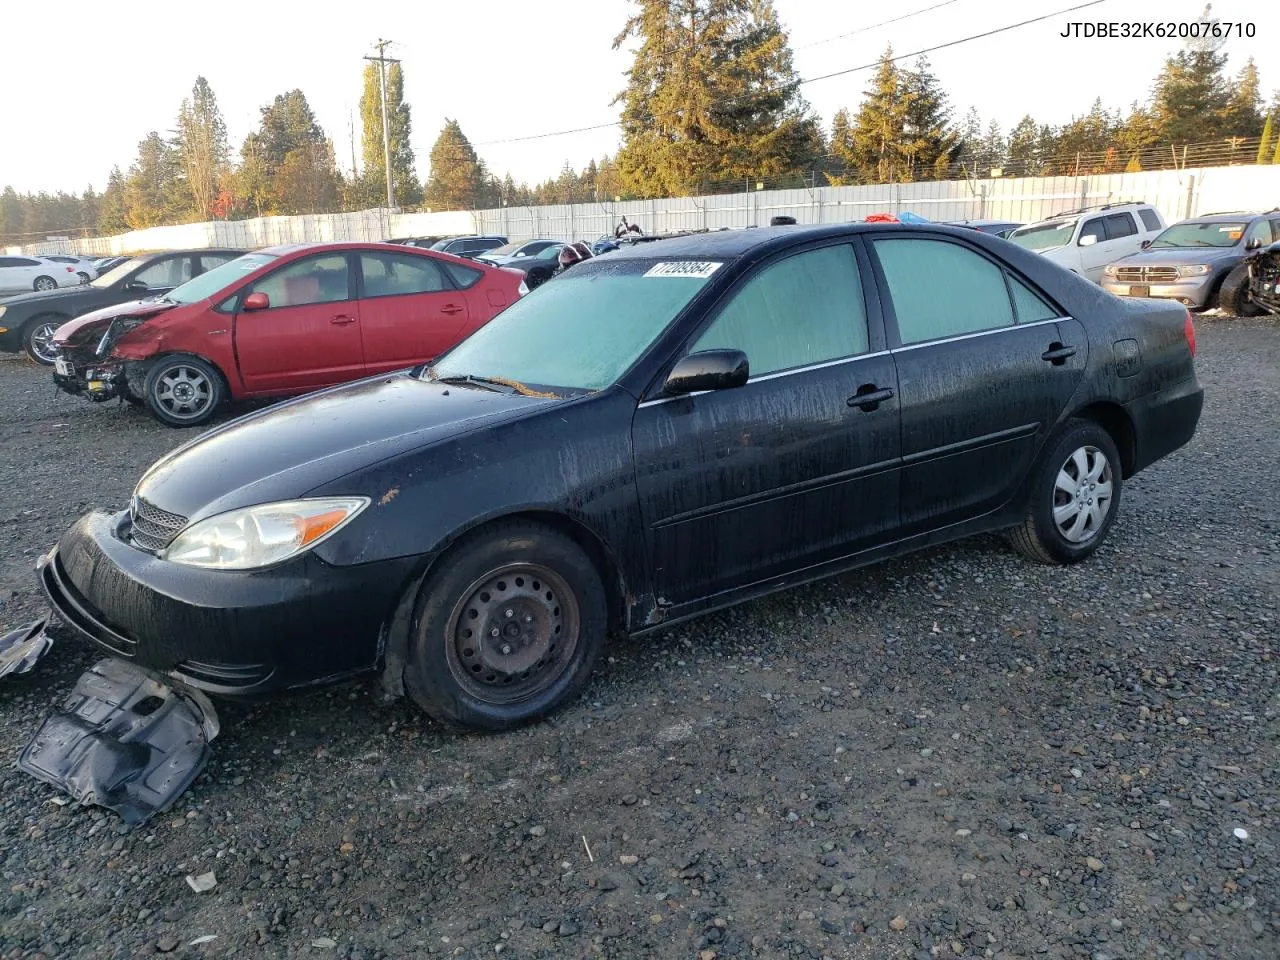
{"x": 542, "y": 594}
{"x": 84, "y": 277}
{"x": 45, "y": 283}
{"x": 1051, "y": 531}
{"x": 37, "y": 337}
{"x": 184, "y": 391}
{"x": 1233, "y": 294}
{"x": 536, "y": 278}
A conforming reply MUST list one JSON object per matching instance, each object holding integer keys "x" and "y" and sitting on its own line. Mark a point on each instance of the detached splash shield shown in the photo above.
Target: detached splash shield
{"x": 21, "y": 648}
{"x": 123, "y": 740}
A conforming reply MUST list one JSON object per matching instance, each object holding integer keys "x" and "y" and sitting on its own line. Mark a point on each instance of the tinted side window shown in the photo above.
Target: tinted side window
{"x": 916, "y": 270}
{"x": 8, "y": 262}
{"x": 1030, "y": 306}
{"x": 1275, "y": 230}
{"x": 1120, "y": 225}
{"x": 1093, "y": 228}
{"x": 166, "y": 273}
{"x": 1149, "y": 219}
{"x": 802, "y": 310}
{"x": 388, "y": 275}
{"x": 314, "y": 280}
{"x": 463, "y": 276}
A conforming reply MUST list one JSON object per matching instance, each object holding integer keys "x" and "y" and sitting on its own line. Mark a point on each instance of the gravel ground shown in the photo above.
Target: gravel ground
{"x": 954, "y": 754}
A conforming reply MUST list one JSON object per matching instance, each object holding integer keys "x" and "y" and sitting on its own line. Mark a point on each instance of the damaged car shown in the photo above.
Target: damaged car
{"x": 677, "y": 427}
{"x": 278, "y": 322}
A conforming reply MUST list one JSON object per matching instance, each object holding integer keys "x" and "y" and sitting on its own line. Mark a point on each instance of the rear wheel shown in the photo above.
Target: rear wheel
{"x": 507, "y": 628}
{"x": 1233, "y": 295}
{"x": 537, "y": 278}
{"x": 84, "y": 277}
{"x": 184, "y": 391}
{"x": 1074, "y": 496}
{"x": 37, "y": 339}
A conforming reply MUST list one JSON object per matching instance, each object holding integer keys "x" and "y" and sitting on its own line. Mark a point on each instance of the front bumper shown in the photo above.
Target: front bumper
{"x": 302, "y": 623}
{"x": 1192, "y": 292}
{"x": 100, "y": 381}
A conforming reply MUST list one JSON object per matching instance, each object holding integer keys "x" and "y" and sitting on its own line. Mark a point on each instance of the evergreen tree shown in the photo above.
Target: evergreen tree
{"x": 202, "y": 147}
{"x": 1242, "y": 115}
{"x": 287, "y": 165}
{"x": 994, "y": 147}
{"x": 404, "y": 178}
{"x": 1264, "y": 148}
{"x": 1023, "y": 148}
{"x": 841, "y": 149}
{"x": 711, "y": 94}
{"x": 11, "y": 216}
{"x": 928, "y": 141}
{"x": 456, "y": 173}
{"x": 154, "y": 191}
{"x": 877, "y": 138}
{"x": 1190, "y": 97}
{"x": 111, "y": 208}
{"x": 307, "y": 180}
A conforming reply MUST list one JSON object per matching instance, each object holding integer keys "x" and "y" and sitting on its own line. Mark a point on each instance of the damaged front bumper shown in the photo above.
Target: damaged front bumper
{"x": 21, "y": 648}
{"x": 124, "y": 740}
{"x": 98, "y": 382}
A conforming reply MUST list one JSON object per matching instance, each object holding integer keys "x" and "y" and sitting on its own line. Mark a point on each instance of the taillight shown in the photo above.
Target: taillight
{"x": 71, "y": 269}
{"x": 1189, "y": 329}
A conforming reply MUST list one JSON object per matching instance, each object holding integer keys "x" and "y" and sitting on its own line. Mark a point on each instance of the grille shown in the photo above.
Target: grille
{"x": 152, "y": 528}
{"x": 1147, "y": 274}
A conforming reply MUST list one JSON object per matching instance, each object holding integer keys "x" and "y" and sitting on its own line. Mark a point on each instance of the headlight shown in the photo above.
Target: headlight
{"x": 1195, "y": 270}
{"x": 1111, "y": 270}
{"x": 269, "y": 533}
{"x": 2, "y": 310}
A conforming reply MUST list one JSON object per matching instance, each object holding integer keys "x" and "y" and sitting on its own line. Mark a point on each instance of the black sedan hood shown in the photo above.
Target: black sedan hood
{"x": 42, "y": 297}
{"x": 287, "y": 450}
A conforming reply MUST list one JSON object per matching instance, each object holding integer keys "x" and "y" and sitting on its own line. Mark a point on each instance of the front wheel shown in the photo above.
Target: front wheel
{"x": 506, "y": 628}
{"x": 1233, "y": 295}
{"x": 183, "y": 391}
{"x": 37, "y": 340}
{"x": 1074, "y": 496}
{"x": 43, "y": 284}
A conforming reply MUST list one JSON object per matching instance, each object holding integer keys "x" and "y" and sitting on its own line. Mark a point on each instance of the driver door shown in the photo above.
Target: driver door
{"x": 741, "y": 485}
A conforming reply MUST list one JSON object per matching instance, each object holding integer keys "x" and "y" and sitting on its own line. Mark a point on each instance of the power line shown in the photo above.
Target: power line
{"x": 873, "y": 26}
{"x": 803, "y": 82}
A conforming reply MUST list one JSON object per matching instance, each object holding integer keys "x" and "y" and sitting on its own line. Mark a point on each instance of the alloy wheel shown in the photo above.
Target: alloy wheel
{"x": 42, "y": 347}
{"x": 44, "y": 283}
{"x": 184, "y": 392}
{"x": 1082, "y": 494}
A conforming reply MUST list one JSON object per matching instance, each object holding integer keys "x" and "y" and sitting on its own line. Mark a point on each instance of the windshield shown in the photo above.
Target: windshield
{"x": 118, "y": 272}
{"x": 1201, "y": 235}
{"x": 207, "y": 284}
{"x": 1044, "y": 236}
{"x": 580, "y": 331}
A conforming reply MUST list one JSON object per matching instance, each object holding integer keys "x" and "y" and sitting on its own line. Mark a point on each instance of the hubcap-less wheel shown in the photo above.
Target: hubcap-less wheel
{"x": 513, "y": 633}
{"x": 42, "y": 342}
{"x": 45, "y": 283}
{"x": 1082, "y": 495}
{"x": 184, "y": 393}
{"x": 84, "y": 277}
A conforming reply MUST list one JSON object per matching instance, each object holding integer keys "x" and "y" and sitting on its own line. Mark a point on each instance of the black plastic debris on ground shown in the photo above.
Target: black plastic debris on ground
{"x": 124, "y": 740}
{"x": 21, "y": 648}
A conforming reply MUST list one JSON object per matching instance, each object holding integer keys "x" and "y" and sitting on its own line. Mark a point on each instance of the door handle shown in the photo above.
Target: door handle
{"x": 342, "y": 320}
{"x": 451, "y": 309}
{"x": 1058, "y": 353}
{"x": 869, "y": 397}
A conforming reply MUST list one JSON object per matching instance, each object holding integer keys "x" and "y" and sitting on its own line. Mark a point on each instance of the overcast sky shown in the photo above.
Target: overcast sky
{"x": 84, "y": 82}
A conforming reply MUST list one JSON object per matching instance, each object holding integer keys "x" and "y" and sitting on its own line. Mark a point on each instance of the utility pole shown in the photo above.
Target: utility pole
{"x": 382, "y": 60}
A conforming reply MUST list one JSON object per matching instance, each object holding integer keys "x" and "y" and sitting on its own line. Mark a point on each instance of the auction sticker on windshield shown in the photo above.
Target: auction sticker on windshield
{"x": 700, "y": 269}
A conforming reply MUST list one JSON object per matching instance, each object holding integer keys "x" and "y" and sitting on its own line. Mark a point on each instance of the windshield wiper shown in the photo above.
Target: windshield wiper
{"x": 485, "y": 383}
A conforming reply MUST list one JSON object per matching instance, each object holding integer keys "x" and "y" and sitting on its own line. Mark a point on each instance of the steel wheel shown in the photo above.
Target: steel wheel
{"x": 184, "y": 392}
{"x": 1082, "y": 495}
{"x": 513, "y": 634}
{"x": 40, "y": 343}
{"x": 46, "y": 283}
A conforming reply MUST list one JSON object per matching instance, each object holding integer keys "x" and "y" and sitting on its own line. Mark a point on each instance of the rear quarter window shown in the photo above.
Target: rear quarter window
{"x": 1149, "y": 219}
{"x": 464, "y": 277}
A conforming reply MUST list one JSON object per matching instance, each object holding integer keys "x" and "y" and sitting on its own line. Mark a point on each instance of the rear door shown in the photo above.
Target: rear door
{"x": 742, "y": 485}
{"x": 409, "y": 310}
{"x": 310, "y": 334}
{"x": 985, "y": 368}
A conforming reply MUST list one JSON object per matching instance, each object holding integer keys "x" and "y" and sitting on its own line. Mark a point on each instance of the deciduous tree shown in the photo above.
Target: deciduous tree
{"x": 408, "y": 191}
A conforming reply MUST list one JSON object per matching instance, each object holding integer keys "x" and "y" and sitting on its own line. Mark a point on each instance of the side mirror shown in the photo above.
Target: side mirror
{"x": 708, "y": 370}
{"x": 256, "y": 301}
{"x": 1253, "y": 244}
{"x": 1145, "y": 244}
{"x": 137, "y": 286}
{"x": 1088, "y": 240}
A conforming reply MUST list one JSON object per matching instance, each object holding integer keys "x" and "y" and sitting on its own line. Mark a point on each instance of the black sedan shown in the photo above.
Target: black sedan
{"x": 661, "y": 432}
{"x": 27, "y": 321}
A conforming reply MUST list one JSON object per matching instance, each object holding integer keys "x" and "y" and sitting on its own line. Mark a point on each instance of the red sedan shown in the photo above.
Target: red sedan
{"x": 280, "y": 321}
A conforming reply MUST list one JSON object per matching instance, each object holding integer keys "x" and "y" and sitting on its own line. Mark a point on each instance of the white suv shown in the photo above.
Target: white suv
{"x": 1085, "y": 241}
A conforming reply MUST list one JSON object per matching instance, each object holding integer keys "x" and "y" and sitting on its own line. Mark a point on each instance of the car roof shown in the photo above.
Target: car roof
{"x": 1221, "y": 217}
{"x": 732, "y": 244}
